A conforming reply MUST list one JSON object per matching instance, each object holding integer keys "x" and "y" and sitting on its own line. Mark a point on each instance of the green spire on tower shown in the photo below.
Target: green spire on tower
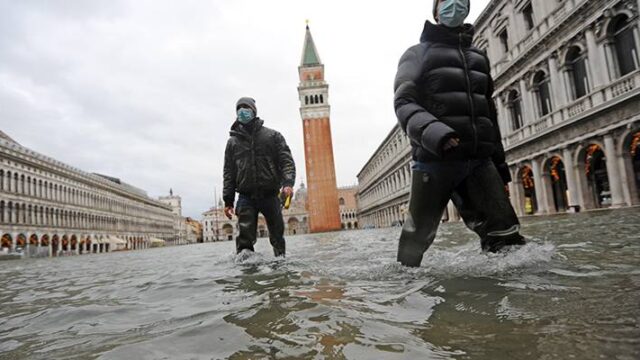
{"x": 310, "y": 55}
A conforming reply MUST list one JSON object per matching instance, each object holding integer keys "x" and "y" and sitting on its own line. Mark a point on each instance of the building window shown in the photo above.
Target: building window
{"x": 576, "y": 65}
{"x": 306, "y": 100}
{"x": 504, "y": 40}
{"x": 621, "y": 34}
{"x": 527, "y": 13}
{"x": 541, "y": 88}
{"x": 515, "y": 110}
{"x": 341, "y": 201}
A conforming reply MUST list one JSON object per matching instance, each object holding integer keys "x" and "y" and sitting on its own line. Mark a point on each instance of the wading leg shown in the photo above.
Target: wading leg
{"x": 430, "y": 193}
{"x": 248, "y": 222}
{"x": 485, "y": 208}
{"x": 273, "y": 215}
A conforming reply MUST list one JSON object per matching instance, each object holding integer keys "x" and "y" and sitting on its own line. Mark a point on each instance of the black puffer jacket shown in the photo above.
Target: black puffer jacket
{"x": 443, "y": 89}
{"x": 257, "y": 162}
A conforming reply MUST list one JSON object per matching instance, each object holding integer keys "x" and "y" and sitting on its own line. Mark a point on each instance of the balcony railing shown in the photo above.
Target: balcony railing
{"x": 598, "y": 99}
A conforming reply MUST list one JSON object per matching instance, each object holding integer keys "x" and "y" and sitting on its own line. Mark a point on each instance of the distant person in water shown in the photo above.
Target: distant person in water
{"x": 443, "y": 101}
{"x": 257, "y": 164}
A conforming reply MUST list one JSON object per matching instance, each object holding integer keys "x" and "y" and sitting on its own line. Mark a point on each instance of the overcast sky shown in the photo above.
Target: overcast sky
{"x": 145, "y": 90}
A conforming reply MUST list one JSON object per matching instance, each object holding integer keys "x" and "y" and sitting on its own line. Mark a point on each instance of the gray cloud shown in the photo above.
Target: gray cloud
{"x": 145, "y": 90}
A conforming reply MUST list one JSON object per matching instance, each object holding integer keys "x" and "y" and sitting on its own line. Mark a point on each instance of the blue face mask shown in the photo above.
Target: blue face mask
{"x": 453, "y": 12}
{"x": 245, "y": 115}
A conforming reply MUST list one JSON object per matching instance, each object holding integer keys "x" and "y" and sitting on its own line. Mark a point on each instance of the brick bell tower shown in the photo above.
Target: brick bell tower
{"x": 322, "y": 192}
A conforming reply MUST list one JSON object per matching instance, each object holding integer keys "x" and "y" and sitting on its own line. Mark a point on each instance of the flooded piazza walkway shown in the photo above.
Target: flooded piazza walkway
{"x": 573, "y": 292}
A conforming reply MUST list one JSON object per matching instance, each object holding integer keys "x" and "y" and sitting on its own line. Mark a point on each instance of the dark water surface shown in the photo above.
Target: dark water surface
{"x": 573, "y": 292}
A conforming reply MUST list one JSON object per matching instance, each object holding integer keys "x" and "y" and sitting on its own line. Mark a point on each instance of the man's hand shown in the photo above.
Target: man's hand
{"x": 450, "y": 144}
{"x": 228, "y": 212}
{"x": 287, "y": 191}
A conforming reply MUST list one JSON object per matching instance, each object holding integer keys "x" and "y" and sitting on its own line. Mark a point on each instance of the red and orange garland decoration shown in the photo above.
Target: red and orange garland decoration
{"x": 590, "y": 151}
{"x": 555, "y": 174}
{"x": 527, "y": 178}
{"x": 635, "y": 142}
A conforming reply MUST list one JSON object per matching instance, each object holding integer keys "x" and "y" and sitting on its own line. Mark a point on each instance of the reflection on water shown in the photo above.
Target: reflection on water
{"x": 574, "y": 291}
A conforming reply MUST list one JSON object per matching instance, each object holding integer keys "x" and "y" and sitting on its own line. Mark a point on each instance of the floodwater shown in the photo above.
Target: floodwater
{"x": 572, "y": 292}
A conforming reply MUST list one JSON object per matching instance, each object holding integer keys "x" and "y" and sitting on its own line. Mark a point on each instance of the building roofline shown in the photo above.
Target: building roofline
{"x": 393, "y": 129}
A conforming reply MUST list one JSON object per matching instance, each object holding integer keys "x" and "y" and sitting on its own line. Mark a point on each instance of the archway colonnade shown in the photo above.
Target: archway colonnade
{"x": 598, "y": 172}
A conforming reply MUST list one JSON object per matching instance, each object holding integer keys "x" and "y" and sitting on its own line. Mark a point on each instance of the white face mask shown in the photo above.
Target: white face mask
{"x": 452, "y": 13}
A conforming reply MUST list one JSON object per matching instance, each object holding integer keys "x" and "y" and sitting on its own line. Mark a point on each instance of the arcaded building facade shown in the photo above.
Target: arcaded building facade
{"x": 48, "y": 208}
{"x": 567, "y": 84}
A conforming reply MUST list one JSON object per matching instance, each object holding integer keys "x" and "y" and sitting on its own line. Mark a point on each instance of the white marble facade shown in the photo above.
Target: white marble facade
{"x": 48, "y": 208}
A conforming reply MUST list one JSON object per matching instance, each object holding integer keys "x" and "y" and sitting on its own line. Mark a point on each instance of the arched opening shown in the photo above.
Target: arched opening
{"x": 65, "y": 243}
{"x": 558, "y": 178}
{"x": 74, "y": 243}
{"x": 341, "y": 201}
{"x": 634, "y": 151}
{"x": 262, "y": 230}
{"x": 21, "y": 242}
{"x": 292, "y": 224}
{"x": 5, "y": 243}
{"x": 355, "y": 225}
{"x": 595, "y": 168}
{"x": 515, "y": 110}
{"x": 543, "y": 95}
{"x": 529, "y": 190}
{"x": 576, "y": 68}
{"x": 620, "y": 33}
{"x": 349, "y": 226}
{"x": 55, "y": 245}
{"x": 44, "y": 241}
{"x": 306, "y": 100}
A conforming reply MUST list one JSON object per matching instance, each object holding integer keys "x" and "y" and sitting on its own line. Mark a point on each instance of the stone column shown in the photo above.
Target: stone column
{"x": 527, "y": 108}
{"x": 514, "y": 196}
{"x": 557, "y": 85}
{"x": 570, "y": 172}
{"x": 617, "y": 199}
{"x": 597, "y": 62}
{"x": 14, "y": 241}
{"x": 541, "y": 194}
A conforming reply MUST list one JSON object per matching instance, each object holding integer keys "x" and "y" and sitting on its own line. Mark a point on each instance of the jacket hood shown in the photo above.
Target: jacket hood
{"x": 442, "y": 34}
{"x": 238, "y": 129}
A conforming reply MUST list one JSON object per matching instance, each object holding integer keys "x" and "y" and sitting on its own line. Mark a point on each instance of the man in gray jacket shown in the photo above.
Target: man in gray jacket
{"x": 257, "y": 164}
{"x": 443, "y": 101}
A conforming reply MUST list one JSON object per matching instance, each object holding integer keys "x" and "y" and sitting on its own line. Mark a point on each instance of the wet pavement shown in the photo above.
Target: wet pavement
{"x": 572, "y": 292}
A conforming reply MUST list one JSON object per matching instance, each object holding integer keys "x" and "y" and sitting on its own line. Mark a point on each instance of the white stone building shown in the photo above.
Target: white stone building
{"x": 183, "y": 233}
{"x": 567, "y": 82}
{"x": 48, "y": 208}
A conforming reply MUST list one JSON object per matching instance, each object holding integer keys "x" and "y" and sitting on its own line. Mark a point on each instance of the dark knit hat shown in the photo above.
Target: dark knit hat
{"x": 247, "y": 101}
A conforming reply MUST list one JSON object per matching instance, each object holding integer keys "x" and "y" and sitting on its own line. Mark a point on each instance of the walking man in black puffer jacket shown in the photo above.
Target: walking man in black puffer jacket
{"x": 443, "y": 101}
{"x": 257, "y": 163}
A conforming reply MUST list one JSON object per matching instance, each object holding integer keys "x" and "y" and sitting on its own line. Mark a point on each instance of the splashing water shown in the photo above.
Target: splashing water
{"x": 570, "y": 292}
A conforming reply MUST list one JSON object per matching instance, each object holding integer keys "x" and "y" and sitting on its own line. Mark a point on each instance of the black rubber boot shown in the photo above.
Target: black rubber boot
{"x": 429, "y": 196}
{"x": 271, "y": 208}
{"x": 248, "y": 222}
{"x": 484, "y": 206}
